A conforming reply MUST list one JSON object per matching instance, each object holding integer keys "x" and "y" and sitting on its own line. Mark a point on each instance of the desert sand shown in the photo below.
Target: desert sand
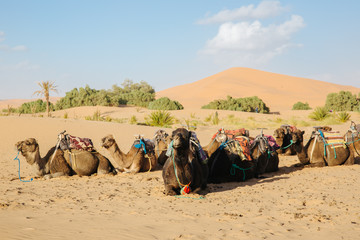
{"x": 293, "y": 203}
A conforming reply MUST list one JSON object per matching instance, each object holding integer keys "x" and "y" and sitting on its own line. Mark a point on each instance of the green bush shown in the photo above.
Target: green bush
{"x": 343, "y": 116}
{"x": 248, "y": 104}
{"x": 138, "y": 94}
{"x": 342, "y": 101}
{"x": 34, "y": 107}
{"x": 301, "y": 106}
{"x": 159, "y": 118}
{"x": 165, "y": 103}
{"x": 320, "y": 113}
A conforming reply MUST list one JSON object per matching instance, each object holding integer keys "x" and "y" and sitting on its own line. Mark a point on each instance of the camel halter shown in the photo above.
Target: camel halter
{"x": 16, "y": 158}
{"x": 185, "y": 188}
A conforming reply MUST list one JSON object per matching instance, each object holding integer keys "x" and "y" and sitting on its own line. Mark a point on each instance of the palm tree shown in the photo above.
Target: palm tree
{"x": 46, "y": 87}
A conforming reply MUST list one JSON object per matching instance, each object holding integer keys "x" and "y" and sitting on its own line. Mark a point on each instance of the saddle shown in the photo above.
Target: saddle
{"x": 233, "y": 133}
{"x": 146, "y": 145}
{"x": 288, "y": 128}
{"x": 266, "y": 142}
{"x": 69, "y": 142}
{"x": 160, "y": 135}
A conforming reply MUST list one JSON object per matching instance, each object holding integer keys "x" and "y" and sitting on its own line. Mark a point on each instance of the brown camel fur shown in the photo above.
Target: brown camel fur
{"x": 215, "y": 143}
{"x": 183, "y": 170}
{"x": 264, "y": 155}
{"x": 312, "y": 153}
{"x": 283, "y": 138}
{"x": 136, "y": 160}
{"x": 81, "y": 162}
{"x": 352, "y": 139}
{"x": 161, "y": 140}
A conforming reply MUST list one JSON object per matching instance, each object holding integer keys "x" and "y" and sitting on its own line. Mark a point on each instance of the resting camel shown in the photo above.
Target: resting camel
{"x": 264, "y": 154}
{"x": 352, "y": 139}
{"x": 161, "y": 140}
{"x": 284, "y": 140}
{"x": 184, "y": 171}
{"x": 78, "y": 162}
{"x": 229, "y": 158}
{"x": 316, "y": 153}
{"x": 140, "y": 158}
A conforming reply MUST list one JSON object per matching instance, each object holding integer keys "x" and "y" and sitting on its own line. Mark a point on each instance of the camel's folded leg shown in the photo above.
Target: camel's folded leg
{"x": 104, "y": 164}
{"x": 54, "y": 175}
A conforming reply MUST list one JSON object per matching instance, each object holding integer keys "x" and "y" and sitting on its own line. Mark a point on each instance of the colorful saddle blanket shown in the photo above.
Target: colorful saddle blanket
{"x": 71, "y": 142}
{"x": 243, "y": 148}
{"x": 233, "y": 133}
{"x": 334, "y": 139}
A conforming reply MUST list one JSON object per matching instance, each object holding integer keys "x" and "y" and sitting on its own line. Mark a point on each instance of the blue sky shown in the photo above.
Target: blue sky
{"x": 170, "y": 43}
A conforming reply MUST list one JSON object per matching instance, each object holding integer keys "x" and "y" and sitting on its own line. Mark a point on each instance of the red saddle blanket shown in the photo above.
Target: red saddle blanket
{"x": 232, "y": 133}
{"x": 72, "y": 142}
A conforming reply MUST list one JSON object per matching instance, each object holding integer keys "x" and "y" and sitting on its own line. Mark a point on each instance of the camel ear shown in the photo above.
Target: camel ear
{"x": 302, "y": 132}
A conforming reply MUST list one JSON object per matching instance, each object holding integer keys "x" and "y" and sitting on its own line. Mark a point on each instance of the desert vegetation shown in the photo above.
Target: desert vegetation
{"x": 301, "y": 106}
{"x": 248, "y": 104}
{"x": 165, "y": 103}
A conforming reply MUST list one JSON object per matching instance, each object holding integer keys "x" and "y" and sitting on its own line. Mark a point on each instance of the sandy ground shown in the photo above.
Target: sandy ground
{"x": 293, "y": 203}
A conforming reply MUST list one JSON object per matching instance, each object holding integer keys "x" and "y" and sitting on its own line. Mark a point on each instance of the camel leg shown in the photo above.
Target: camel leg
{"x": 54, "y": 175}
{"x": 104, "y": 164}
{"x": 351, "y": 159}
{"x": 169, "y": 190}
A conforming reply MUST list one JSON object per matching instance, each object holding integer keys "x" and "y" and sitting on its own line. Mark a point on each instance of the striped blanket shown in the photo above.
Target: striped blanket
{"x": 333, "y": 139}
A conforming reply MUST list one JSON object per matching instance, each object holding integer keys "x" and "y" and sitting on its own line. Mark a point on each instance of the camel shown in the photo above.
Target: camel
{"x": 227, "y": 161}
{"x": 317, "y": 153}
{"x": 283, "y": 139}
{"x": 264, "y": 154}
{"x": 80, "y": 162}
{"x": 184, "y": 170}
{"x": 161, "y": 140}
{"x": 140, "y": 158}
{"x": 352, "y": 139}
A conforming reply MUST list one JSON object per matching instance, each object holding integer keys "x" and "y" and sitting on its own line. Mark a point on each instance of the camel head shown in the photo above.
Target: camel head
{"x": 107, "y": 141}
{"x": 279, "y": 133}
{"x": 28, "y": 148}
{"x": 181, "y": 138}
{"x": 297, "y": 136}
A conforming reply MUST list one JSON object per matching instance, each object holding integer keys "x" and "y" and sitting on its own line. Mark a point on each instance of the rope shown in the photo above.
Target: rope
{"x": 234, "y": 167}
{"x": 184, "y": 188}
{"x": 16, "y": 158}
{"x": 147, "y": 156}
{"x": 291, "y": 143}
{"x": 141, "y": 144}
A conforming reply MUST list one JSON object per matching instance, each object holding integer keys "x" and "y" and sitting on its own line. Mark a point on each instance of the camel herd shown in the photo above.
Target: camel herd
{"x": 187, "y": 166}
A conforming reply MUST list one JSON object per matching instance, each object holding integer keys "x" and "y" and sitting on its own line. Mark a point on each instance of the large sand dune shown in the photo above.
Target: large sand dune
{"x": 276, "y": 90}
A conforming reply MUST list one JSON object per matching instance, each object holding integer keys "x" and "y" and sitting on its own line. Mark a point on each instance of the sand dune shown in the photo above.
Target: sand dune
{"x": 278, "y": 91}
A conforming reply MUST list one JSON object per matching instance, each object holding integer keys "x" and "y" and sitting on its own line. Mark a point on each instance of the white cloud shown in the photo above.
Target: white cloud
{"x": 265, "y": 9}
{"x": 19, "y": 48}
{"x": 251, "y": 42}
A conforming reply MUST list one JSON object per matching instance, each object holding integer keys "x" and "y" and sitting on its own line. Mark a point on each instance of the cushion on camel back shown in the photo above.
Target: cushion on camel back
{"x": 72, "y": 142}
{"x": 244, "y": 144}
{"x": 233, "y": 133}
{"x": 334, "y": 139}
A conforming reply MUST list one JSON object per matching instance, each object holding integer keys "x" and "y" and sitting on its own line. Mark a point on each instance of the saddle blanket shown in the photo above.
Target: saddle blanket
{"x": 334, "y": 139}
{"x": 72, "y": 142}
